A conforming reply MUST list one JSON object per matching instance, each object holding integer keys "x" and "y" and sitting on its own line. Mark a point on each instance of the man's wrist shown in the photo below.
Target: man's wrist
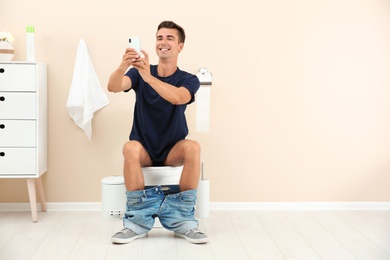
{"x": 150, "y": 79}
{"x": 121, "y": 69}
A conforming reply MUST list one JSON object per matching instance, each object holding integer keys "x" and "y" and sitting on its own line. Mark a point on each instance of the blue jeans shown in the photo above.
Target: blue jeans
{"x": 175, "y": 211}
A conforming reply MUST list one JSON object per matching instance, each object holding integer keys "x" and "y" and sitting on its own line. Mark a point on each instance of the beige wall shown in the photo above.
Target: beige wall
{"x": 300, "y": 105}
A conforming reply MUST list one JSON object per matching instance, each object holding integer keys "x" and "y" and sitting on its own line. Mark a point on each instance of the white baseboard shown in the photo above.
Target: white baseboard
{"x": 53, "y": 206}
{"x": 244, "y": 206}
{"x": 280, "y": 206}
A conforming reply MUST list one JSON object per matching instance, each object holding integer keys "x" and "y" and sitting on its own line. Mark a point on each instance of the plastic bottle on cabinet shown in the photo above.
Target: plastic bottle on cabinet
{"x": 30, "y": 43}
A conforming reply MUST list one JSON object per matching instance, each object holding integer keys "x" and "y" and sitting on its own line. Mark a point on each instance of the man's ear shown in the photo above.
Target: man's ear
{"x": 181, "y": 46}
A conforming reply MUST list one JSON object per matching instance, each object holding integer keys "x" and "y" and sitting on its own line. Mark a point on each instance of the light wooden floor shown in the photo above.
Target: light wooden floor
{"x": 233, "y": 235}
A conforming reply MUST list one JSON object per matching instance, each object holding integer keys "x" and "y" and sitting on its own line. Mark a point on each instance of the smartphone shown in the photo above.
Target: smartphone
{"x": 135, "y": 43}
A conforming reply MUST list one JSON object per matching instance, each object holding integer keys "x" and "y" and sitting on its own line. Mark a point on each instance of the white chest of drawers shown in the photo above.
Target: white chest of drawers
{"x": 23, "y": 125}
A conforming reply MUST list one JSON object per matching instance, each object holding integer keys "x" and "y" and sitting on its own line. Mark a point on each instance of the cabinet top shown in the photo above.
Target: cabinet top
{"x": 21, "y": 62}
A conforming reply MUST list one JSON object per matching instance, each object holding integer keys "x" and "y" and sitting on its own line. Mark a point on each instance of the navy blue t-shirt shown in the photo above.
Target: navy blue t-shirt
{"x": 158, "y": 125}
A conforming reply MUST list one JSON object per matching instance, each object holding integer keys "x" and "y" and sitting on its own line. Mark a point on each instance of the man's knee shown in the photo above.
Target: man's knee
{"x": 132, "y": 149}
{"x": 191, "y": 148}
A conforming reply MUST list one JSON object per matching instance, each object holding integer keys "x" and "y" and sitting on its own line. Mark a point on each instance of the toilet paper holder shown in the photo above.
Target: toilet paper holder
{"x": 205, "y": 77}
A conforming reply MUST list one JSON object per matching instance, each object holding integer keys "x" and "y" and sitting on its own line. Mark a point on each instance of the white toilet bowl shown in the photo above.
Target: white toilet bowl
{"x": 162, "y": 175}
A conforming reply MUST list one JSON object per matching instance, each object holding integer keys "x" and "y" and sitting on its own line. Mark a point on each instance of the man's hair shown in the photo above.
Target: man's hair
{"x": 172, "y": 25}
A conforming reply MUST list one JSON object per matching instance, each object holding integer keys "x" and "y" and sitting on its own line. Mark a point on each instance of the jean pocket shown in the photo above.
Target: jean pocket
{"x": 131, "y": 201}
{"x": 187, "y": 198}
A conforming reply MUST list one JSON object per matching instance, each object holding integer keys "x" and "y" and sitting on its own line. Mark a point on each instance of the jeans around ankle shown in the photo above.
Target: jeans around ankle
{"x": 175, "y": 211}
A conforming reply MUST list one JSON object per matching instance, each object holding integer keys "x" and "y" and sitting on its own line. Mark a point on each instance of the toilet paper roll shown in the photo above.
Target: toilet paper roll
{"x": 202, "y": 202}
{"x": 203, "y": 109}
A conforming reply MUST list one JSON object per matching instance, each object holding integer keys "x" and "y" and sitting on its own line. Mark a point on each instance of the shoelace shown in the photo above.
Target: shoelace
{"x": 195, "y": 230}
{"x": 126, "y": 230}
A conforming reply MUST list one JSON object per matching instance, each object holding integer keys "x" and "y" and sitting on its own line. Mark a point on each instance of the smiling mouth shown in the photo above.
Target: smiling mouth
{"x": 164, "y": 49}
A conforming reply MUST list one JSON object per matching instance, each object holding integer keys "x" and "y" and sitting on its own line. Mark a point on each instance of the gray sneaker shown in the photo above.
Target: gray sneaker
{"x": 193, "y": 236}
{"x": 126, "y": 236}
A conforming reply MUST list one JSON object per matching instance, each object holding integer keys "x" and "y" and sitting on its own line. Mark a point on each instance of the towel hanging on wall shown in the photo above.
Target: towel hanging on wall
{"x": 86, "y": 95}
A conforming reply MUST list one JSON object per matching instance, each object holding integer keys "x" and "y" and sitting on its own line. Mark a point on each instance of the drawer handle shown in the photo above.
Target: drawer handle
{"x": 2, "y": 70}
{"x": 2, "y": 98}
{"x": 2, "y": 154}
{"x": 2, "y": 126}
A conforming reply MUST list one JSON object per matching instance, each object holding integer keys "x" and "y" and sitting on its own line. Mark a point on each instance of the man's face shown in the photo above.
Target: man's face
{"x": 167, "y": 43}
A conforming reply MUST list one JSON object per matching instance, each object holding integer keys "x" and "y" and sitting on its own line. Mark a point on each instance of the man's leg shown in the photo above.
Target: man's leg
{"x": 141, "y": 204}
{"x": 177, "y": 213}
{"x": 135, "y": 157}
{"x": 186, "y": 153}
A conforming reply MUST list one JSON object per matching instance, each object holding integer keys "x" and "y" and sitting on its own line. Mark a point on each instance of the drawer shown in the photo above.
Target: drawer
{"x": 14, "y": 105}
{"x": 18, "y": 133}
{"x": 17, "y": 161}
{"x": 17, "y": 77}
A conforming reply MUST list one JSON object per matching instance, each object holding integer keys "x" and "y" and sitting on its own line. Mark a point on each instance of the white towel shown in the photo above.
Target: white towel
{"x": 86, "y": 95}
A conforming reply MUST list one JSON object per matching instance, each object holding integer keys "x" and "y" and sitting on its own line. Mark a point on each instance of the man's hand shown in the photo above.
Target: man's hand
{"x": 129, "y": 58}
{"x": 143, "y": 66}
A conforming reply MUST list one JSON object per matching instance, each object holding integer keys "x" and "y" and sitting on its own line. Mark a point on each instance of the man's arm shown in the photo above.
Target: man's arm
{"x": 117, "y": 81}
{"x": 172, "y": 94}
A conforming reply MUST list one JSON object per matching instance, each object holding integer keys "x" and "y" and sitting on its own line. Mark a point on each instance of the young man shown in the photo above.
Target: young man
{"x": 157, "y": 138}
